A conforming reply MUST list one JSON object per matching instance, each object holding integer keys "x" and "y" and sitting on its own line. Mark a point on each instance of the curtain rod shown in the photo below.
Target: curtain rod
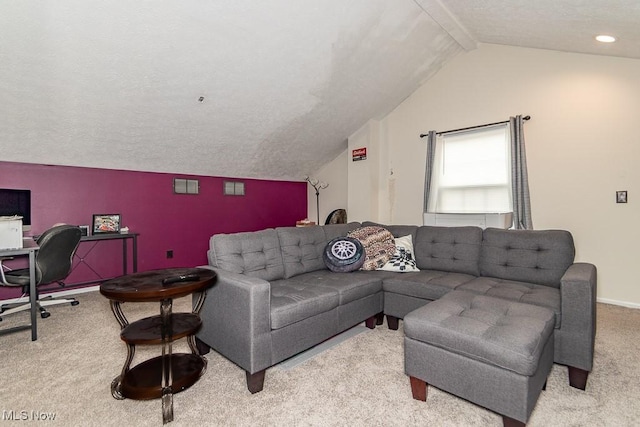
{"x": 422, "y": 135}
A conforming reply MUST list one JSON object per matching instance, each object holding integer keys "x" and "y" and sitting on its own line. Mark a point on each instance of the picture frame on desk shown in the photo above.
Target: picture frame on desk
{"x": 106, "y": 223}
{"x": 84, "y": 230}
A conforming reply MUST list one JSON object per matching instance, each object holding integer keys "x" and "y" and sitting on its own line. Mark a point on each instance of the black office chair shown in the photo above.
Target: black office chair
{"x": 52, "y": 265}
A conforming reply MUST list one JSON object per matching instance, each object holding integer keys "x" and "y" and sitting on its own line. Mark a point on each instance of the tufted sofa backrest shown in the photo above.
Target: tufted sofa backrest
{"x": 535, "y": 256}
{"x": 331, "y": 231}
{"x": 302, "y": 249}
{"x": 255, "y": 254}
{"x": 396, "y": 230}
{"x": 453, "y": 249}
{"x": 274, "y": 254}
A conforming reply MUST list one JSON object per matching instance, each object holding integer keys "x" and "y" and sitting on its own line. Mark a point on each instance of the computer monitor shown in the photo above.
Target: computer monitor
{"x": 16, "y": 202}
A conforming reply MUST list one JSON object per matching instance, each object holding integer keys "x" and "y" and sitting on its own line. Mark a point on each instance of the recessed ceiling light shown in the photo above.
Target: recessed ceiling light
{"x": 605, "y": 39}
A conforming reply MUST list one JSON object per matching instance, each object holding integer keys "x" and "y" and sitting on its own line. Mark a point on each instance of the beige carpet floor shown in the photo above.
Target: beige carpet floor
{"x": 66, "y": 374}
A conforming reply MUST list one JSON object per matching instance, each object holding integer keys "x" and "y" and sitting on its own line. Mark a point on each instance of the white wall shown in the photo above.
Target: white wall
{"x": 364, "y": 176}
{"x": 582, "y": 146}
{"x": 333, "y": 197}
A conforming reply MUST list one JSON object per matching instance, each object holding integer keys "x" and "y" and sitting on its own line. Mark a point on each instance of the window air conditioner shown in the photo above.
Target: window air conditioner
{"x": 482, "y": 220}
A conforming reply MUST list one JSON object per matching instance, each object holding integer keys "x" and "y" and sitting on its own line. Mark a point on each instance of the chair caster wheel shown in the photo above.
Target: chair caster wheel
{"x": 75, "y": 302}
{"x": 45, "y": 314}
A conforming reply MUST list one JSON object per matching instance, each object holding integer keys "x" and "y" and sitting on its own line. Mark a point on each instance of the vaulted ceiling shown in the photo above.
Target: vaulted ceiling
{"x": 245, "y": 88}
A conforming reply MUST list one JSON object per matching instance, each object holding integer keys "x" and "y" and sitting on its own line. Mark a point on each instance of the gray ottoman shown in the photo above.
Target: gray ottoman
{"x": 492, "y": 352}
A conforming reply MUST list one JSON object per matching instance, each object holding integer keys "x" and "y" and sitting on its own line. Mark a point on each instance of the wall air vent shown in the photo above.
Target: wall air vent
{"x": 186, "y": 186}
{"x": 233, "y": 188}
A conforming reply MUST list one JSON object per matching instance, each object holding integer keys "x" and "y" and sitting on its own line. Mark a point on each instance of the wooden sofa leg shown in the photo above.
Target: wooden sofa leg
{"x": 393, "y": 322}
{"x": 255, "y": 382}
{"x": 578, "y": 378}
{"x": 380, "y": 318}
{"x": 202, "y": 347}
{"x": 370, "y": 322}
{"x": 418, "y": 389}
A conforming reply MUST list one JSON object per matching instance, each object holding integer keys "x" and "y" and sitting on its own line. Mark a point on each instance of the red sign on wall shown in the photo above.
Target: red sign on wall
{"x": 359, "y": 154}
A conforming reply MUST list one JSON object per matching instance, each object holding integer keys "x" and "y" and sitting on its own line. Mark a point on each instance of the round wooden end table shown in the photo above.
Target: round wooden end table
{"x": 162, "y": 376}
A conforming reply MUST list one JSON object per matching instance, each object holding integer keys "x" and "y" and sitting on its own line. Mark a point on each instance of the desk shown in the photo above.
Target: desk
{"x": 30, "y": 248}
{"x": 169, "y": 373}
{"x": 96, "y": 238}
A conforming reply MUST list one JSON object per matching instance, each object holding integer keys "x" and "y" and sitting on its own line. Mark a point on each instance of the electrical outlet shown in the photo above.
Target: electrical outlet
{"x": 169, "y": 254}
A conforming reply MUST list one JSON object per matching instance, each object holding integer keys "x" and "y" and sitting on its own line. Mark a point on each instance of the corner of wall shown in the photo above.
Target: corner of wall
{"x": 334, "y": 196}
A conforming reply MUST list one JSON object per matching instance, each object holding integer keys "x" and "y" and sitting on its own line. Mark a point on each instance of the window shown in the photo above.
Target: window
{"x": 471, "y": 171}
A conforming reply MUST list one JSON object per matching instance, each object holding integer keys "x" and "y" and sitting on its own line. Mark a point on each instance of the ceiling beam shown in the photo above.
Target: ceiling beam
{"x": 447, "y": 20}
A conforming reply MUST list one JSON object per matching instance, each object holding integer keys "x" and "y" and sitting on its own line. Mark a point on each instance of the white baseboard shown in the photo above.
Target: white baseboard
{"x": 55, "y": 294}
{"x": 620, "y": 303}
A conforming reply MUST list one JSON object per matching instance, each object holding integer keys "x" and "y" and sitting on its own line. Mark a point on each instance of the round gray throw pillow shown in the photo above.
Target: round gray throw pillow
{"x": 343, "y": 254}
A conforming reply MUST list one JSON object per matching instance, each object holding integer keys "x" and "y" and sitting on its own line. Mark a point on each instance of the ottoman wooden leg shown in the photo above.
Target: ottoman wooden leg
{"x": 418, "y": 389}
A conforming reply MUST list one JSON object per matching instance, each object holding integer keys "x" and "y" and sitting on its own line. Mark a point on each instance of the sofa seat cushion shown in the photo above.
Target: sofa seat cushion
{"x": 292, "y": 302}
{"x": 347, "y": 286}
{"x": 425, "y": 284}
{"x": 502, "y": 333}
{"x": 529, "y": 293}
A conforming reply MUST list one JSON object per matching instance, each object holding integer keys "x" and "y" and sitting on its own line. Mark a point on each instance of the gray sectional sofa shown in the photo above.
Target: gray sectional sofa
{"x": 275, "y": 297}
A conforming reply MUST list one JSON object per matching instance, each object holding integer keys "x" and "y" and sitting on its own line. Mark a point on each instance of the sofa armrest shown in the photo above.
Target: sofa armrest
{"x": 236, "y": 319}
{"x": 578, "y": 292}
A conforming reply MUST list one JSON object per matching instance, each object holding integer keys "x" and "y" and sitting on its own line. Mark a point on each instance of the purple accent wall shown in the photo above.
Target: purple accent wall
{"x": 166, "y": 221}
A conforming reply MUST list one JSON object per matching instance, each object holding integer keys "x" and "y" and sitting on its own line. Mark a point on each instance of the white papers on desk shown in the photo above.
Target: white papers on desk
{"x": 11, "y": 232}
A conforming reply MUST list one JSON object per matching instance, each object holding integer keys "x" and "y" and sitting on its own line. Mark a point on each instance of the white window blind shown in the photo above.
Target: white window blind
{"x": 472, "y": 171}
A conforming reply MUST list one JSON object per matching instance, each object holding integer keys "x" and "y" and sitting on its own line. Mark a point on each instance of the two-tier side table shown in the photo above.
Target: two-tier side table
{"x": 169, "y": 373}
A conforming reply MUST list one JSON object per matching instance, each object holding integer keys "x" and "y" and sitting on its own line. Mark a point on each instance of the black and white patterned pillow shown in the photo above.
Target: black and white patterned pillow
{"x": 403, "y": 260}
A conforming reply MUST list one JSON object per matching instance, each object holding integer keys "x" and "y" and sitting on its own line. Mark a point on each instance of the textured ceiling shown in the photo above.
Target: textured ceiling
{"x": 117, "y": 84}
{"x": 567, "y": 25}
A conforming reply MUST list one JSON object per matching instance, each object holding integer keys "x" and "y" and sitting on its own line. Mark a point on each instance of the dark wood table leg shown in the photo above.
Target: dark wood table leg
{"x": 167, "y": 371}
{"x": 116, "y": 384}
